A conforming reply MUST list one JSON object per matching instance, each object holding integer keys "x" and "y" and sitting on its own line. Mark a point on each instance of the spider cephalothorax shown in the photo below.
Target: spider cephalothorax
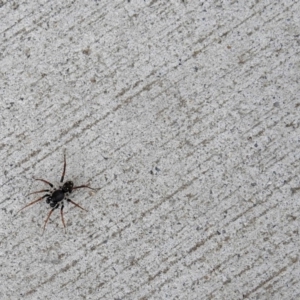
{"x": 68, "y": 187}
{"x": 55, "y": 197}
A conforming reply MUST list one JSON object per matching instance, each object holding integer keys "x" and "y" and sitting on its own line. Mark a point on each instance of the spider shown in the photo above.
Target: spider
{"x": 55, "y": 196}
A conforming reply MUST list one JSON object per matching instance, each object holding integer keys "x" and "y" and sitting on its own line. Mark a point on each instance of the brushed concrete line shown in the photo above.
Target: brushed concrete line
{"x": 205, "y": 256}
{"x": 265, "y": 117}
{"x": 274, "y": 160}
{"x": 284, "y": 286}
{"x": 196, "y": 52}
{"x": 15, "y": 35}
{"x": 144, "y": 213}
{"x": 125, "y": 102}
{"x": 261, "y": 163}
{"x": 98, "y": 18}
{"x": 274, "y": 145}
{"x": 8, "y": 135}
{"x": 5, "y": 183}
{"x": 250, "y": 223}
{"x": 237, "y": 165}
{"x": 62, "y": 134}
{"x": 12, "y": 26}
{"x": 146, "y": 254}
{"x": 164, "y": 271}
{"x": 119, "y": 231}
{"x": 157, "y": 289}
{"x": 36, "y": 22}
{"x": 42, "y": 146}
{"x": 247, "y": 130}
{"x": 114, "y": 277}
{"x": 218, "y": 266}
{"x": 264, "y": 282}
{"x": 52, "y": 278}
{"x": 257, "y": 66}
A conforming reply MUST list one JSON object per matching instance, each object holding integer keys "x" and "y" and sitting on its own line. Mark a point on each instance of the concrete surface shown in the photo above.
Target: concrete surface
{"x": 185, "y": 114}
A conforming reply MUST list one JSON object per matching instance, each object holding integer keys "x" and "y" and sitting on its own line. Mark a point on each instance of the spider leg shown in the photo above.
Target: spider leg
{"x": 39, "y": 192}
{"x": 44, "y": 181}
{"x": 83, "y": 186}
{"x": 62, "y": 215}
{"x": 64, "y": 170}
{"x": 50, "y": 212}
{"x": 35, "y": 201}
{"x": 69, "y": 200}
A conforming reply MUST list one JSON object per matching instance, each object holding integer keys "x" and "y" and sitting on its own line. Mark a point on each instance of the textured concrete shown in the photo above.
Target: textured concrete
{"x": 185, "y": 114}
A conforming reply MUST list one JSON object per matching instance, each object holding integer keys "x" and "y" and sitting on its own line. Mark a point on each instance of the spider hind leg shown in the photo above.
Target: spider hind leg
{"x": 33, "y": 202}
{"x": 48, "y": 217}
{"x": 69, "y": 200}
{"x": 62, "y": 215}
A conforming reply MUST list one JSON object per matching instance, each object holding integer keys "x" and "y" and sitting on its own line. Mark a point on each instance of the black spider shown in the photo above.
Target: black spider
{"x": 55, "y": 197}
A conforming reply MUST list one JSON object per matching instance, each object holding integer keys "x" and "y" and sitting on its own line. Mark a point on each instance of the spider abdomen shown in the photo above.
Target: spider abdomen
{"x": 57, "y": 196}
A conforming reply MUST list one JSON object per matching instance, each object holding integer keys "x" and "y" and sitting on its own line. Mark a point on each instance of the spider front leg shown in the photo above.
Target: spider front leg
{"x": 51, "y": 185}
{"x": 45, "y": 181}
{"x": 83, "y": 186}
{"x": 64, "y": 170}
{"x": 39, "y": 192}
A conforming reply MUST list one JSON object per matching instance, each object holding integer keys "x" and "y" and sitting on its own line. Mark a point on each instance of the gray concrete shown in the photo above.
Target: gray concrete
{"x": 185, "y": 114}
